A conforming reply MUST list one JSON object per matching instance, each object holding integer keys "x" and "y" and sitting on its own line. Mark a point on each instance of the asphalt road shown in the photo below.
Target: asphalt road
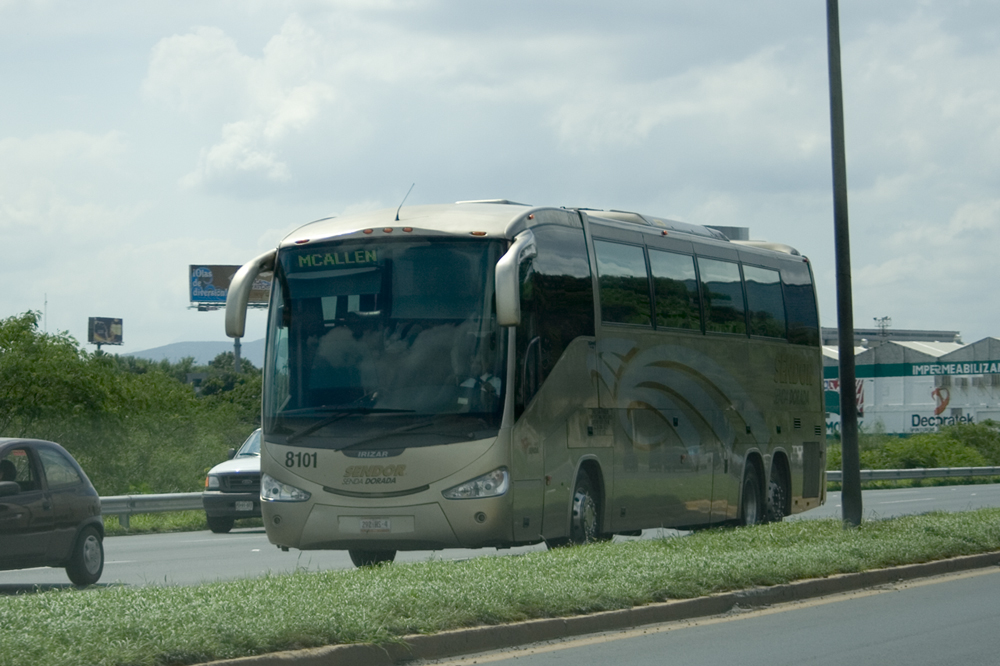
{"x": 943, "y": 620}
{"x": 197, "y": 557}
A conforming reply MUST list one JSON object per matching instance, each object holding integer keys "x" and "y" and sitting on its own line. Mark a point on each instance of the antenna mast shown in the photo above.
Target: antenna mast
{"x": 403, "y": 201}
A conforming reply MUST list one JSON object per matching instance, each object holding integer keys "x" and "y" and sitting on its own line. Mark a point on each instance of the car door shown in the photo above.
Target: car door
{"x": 70, "y": 500}
{"x": 26, "y": 518}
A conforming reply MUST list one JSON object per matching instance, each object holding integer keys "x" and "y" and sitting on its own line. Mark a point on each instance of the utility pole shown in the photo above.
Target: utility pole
{"x": 851, "y": 459}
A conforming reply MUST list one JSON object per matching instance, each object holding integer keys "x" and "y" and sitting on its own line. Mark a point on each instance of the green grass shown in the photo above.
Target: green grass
{"x": 184, "y": 625}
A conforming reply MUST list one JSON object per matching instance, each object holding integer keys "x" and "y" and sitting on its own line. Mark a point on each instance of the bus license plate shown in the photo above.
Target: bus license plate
{"x": 244, "y": 506}
{"x": 374, "y": 524}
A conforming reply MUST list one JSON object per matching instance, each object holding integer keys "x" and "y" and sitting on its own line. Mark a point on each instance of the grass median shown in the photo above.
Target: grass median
{"x": 121, "y": 625}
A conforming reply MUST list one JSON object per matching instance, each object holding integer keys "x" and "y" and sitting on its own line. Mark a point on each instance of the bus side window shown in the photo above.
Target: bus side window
{"x": 722, "y": 293}
{"x": 800, "y": 301}
{"x": 676, "y": 288}
{"x": 623, "y": 282}
{"x": 767, "y": 307}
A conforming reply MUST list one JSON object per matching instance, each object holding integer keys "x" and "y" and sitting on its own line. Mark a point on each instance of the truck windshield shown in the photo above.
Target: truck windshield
{"x": 393, "y": 337}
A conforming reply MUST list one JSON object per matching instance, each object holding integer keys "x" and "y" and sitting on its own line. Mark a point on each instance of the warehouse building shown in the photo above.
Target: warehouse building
{"x": 915, "y": 381}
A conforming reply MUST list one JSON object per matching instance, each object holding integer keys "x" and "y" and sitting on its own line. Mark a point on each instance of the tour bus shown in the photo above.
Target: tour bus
{"x": 492, "y": 374}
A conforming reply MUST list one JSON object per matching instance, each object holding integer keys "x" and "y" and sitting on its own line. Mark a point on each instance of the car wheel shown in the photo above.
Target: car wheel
{"x": 370, "y": 558}
{"x": 751, "y": 504}
{"x": 87, "y": 562}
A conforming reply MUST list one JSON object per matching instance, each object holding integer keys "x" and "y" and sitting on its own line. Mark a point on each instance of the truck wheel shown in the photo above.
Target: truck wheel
{"x": 220, "y": 524}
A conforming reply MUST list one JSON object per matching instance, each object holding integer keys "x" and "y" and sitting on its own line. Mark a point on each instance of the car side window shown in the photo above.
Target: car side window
{"x": 59, "y": 471}
{"x": 24, "y": 472}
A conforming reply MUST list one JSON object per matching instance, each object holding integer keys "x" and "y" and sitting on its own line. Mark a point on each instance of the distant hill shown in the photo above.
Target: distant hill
{"x": 203, "y": 352}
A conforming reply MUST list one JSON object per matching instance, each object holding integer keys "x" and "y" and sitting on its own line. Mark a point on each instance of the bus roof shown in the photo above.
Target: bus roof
{"x": 493, "y": 218}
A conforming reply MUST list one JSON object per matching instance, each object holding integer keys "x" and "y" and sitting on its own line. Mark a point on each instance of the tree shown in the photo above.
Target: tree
{"x": 43, "y": 376}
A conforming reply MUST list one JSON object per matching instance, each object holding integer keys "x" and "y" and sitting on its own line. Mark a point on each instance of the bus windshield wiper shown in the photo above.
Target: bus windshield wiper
{"x": 407, "y": 428}
{"x": 336, "y": 414}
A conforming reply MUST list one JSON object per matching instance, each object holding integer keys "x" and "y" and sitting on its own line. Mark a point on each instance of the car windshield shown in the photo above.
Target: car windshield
{"x": 251, "y": 447}
{"x": 377, "y": 336}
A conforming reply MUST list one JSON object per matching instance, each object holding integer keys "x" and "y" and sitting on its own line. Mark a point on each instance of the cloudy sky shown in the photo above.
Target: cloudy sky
{"x": 139, "y": 138}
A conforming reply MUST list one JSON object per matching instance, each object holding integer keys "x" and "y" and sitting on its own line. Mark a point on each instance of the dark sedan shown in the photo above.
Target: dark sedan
{"x": 50, "y": 514}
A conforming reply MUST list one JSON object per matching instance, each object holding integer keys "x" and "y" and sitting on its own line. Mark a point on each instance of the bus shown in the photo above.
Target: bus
{"x": 493, "y": 374}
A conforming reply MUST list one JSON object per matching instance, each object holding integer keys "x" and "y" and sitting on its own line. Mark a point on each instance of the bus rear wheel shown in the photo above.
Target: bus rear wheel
{"x": 777, "y": 496}
{"x": 751, "y": 502}
{"x": 370, "y": 558}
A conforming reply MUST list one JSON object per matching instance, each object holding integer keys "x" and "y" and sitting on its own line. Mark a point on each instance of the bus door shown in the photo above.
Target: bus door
{"x": 554, "y": 390}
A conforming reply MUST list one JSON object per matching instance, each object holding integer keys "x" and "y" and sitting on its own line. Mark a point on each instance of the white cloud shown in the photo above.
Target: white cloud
{"x": 273, "y": 114}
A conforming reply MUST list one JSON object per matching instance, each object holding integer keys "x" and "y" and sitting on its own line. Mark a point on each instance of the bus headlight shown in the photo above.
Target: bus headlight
{"x": 272, "y": 490}
{"x": 492, "y": 484}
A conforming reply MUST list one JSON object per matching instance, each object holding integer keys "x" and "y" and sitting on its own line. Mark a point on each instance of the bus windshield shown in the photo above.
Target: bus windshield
{"x": 384, "y": 340}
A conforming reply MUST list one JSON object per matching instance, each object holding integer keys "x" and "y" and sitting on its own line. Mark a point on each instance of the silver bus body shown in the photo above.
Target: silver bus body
{"x": 493, "y": 374}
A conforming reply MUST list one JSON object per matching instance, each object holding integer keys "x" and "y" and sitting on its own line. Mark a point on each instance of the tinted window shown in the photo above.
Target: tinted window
{"x": 676, "y": 289}
{"x": 767, "y": 307}
{"x": 722, "y": 293}
{"x": 58, "y": 470}
{"x": 557, "y": 305}
{"x": 800, "y": 301}
{"x": 623, "y": 282}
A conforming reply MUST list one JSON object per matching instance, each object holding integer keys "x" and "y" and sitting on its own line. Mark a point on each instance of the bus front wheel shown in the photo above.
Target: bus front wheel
{"x": 751, "y": 502}
{"x": 584, "y": 524}
{"x": 370, "y": 558}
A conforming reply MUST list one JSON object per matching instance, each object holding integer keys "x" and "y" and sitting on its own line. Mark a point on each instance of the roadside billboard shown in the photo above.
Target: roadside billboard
{"x": 104, "y": 331}
{"x": 209, "y": 284}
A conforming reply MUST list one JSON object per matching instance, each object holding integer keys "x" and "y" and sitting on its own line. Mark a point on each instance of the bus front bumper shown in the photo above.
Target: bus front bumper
{"x": 425, "y": 526}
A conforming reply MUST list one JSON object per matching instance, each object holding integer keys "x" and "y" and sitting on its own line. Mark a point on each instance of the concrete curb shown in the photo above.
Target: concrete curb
{"x": 482, "y": 639}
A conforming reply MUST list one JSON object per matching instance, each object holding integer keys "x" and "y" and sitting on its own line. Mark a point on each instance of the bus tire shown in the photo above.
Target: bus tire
{"x": 777, "y": 496}
{"x": 371, "y": 558}
{"x": 585, "y": 518}
{"x": 220, "y": 524}
{"x": 751, "y": 500}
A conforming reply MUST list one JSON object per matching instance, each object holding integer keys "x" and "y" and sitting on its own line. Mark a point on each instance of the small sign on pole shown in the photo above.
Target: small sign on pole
{"x": 104, "y": 331}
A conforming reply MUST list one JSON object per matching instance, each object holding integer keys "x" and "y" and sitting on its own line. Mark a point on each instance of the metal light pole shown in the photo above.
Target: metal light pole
{"x": 851, "y": 462}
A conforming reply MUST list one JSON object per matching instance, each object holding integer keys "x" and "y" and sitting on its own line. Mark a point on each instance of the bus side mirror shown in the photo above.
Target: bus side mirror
{"x": 508, "y": 287}
{"x": 239, "y": 292}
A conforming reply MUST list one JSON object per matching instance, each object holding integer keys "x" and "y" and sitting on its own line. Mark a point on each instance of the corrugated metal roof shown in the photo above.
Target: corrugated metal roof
{"x": 930, "y": 348}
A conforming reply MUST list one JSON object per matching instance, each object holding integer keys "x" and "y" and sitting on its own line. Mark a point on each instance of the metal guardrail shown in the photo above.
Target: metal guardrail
{"x": 917, "y": 473}
{"x": 124, "y": 506}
